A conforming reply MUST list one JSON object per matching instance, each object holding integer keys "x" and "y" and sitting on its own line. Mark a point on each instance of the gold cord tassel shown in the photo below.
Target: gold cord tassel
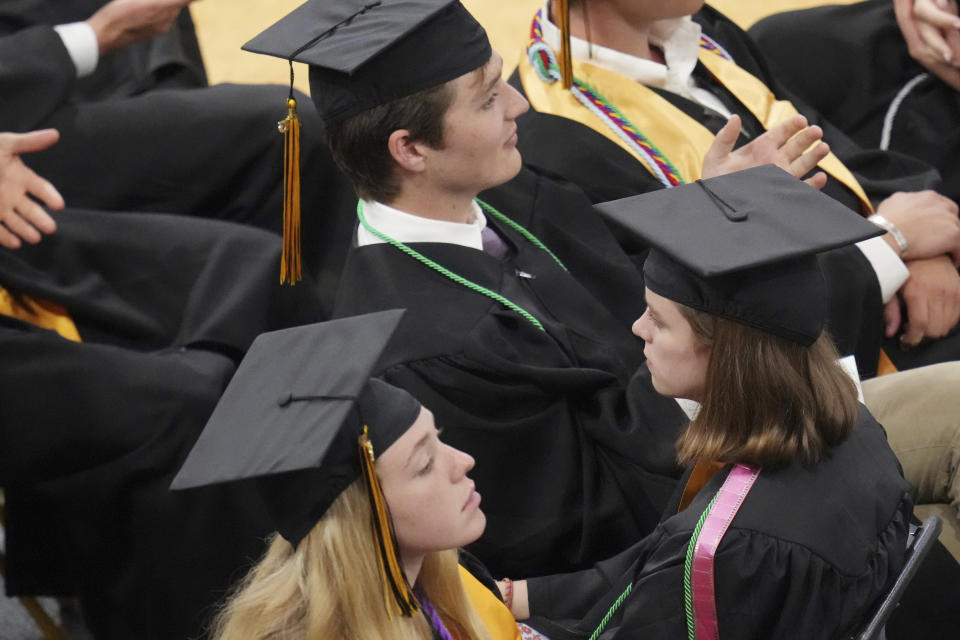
{"x": 394, "y": 578}
{"x": 566, "y": 59}
{"x": 290, "y": 271}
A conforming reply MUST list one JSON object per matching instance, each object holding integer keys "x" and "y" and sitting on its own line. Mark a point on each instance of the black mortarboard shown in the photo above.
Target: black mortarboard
{"x": 363, "y": 53}
{"x": 742, "y": 246}
{"x": 296, "y": 420}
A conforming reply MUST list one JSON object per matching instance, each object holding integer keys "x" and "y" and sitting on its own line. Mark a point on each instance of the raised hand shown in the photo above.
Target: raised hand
{"x": 21, "y": 217}
{"x": 791, "y": 145}
{"x": 123, "y": 22}
{"x": 931, "y": 29}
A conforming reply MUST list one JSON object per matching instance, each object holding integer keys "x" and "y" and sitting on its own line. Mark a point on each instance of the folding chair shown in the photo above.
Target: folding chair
{"x": 918, "y": 545}
{"x": 50, "y": 629}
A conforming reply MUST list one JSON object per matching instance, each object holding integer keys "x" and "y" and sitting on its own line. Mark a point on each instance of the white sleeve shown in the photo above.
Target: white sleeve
{"x": 889, "y": 268}
{"x": 81, "y": 42}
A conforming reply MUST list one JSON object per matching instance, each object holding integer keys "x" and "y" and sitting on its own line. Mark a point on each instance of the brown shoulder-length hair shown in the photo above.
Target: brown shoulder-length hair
{"x": 767, "y": 400}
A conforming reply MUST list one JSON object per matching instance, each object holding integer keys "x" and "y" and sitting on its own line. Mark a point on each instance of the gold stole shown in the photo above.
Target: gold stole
{"x": 699, "y": 477}
{"x": 682, "y": 139}
{"x": 492, "y": 611}
{"x": 40, "y": 313}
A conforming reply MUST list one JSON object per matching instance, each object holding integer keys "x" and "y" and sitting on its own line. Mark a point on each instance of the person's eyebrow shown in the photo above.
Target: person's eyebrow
{"x": 421, "y": 443}
{"x": 495, "y": 78}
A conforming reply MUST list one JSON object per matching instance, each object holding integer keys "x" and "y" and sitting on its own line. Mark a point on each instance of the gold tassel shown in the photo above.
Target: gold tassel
{"x": 290, "y": 271}
{"x": 566, "y": 60}
{"x": 392, "y": 574}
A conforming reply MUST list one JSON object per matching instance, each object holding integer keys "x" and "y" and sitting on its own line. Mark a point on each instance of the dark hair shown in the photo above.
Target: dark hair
{"x": 767, "y": 400}
{"x": 359, "y": 144}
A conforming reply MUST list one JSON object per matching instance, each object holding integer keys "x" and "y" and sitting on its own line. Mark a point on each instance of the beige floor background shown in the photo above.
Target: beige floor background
{"x": 224, "y": 25}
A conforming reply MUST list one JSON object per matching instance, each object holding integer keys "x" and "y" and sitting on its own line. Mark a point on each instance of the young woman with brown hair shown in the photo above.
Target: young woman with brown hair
{"x": 792, "y": 518}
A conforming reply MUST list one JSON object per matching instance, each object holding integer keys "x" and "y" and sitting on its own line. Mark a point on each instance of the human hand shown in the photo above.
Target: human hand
{"x": 927, "y": 220}
{"x": 787, "y": 145}
{"x": 21, "y": 218}
{"x": 931, "y": 299}
{"x": 123, "y": 22}
{"x": 931, "y": 29}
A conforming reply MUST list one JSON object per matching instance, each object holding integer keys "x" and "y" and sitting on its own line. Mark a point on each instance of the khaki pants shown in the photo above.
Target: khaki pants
{"x": 920, "y": 409}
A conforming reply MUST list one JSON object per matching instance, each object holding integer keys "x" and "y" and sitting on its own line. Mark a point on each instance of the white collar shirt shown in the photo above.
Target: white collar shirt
{"x": 406, "y": 227}
{"x": 679, "y": 38}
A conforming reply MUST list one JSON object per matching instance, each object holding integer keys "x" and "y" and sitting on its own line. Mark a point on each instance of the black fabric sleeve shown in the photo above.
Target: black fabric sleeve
{"x": 36, "y": 77}
{"x": 880, "y": 173}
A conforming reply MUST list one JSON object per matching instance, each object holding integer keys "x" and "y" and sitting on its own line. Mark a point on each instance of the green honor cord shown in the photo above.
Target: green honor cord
{"x": 687, "y": 597}
{"x": 534, "y": 240}
{"x": 458, "y": 278}
{"x": 688, "y": 570}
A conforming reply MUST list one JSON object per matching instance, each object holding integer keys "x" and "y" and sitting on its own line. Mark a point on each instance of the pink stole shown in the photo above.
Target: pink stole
{"x": 721, "y": 514}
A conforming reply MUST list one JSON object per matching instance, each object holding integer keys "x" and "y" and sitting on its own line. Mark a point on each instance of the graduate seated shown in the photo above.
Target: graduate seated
{"x": 118, "y": 333}
{"x": 519, "y": 298}
{"x": 119, "y": 48}
{"x": 188, "y": 149}
{"x": 369, "y": 503}
{"x": 792, "y": 518}
{"x": 899, "y": 85}
{"x": 517, "y": 327}
{"x": 652, "y": 83}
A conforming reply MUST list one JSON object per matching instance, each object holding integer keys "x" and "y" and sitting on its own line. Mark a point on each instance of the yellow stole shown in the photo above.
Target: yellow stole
{"x": 41, "y": 313}
{"x": 494, "y": 614}
{"x": 683, "y": 140}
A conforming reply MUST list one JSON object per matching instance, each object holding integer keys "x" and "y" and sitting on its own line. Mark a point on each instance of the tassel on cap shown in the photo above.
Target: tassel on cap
{"x": 566, "y": 59}
{"x": 394, "y": 579}
{"x": 290, "y": 270}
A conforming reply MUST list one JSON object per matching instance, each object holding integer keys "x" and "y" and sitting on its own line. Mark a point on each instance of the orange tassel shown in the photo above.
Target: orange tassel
{"x": 394, "y": 579}
{"x": 290, "y": 271}
{"x": 566, "y": 60}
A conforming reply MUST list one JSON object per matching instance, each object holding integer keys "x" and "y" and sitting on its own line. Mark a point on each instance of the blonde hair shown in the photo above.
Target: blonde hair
{"x": 329, "y": 587}
{"x": 767, "y": 400}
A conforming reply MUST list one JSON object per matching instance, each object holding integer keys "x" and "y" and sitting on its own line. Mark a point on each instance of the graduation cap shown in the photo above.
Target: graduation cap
{"x": 364, "y": 53}
{"x": 742, "y": 246}
{"x": 302, "y": 420}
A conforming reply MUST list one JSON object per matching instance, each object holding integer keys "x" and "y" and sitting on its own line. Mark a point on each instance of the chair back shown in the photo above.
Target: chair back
{"x": 920, "y": 541}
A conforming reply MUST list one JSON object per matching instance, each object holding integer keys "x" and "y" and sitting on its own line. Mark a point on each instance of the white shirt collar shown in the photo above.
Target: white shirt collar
{"x": 406, "y": 227}
{"x": 679, "y": 38}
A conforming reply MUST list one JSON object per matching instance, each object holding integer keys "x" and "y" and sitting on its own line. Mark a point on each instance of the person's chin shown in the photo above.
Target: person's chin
{"x": 512, "y": 165}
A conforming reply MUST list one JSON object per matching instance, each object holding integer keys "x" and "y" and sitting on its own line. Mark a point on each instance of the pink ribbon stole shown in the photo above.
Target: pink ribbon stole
{"x": 725, "y": 507}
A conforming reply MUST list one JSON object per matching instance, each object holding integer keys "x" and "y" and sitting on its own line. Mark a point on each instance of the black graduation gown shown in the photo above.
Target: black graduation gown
{"x": 212, "y": 152}
{"x": 809, "y": 552}
{"x": 169, "y": 60}
{"x": 856, "y": 95}
{"x": 574, "y": 449}
{"x": 605, "y": 171}
{"x": 91, "y": 433}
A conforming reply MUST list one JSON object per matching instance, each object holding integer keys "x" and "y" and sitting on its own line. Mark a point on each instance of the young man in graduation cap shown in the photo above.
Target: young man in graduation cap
{"x": 519, "y": 302}
{"x": 517, "y": 330}
{"x": 649, "y": 86}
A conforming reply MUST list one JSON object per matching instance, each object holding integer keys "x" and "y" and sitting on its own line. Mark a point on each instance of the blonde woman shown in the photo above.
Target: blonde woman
{"x": 370, "y": 505}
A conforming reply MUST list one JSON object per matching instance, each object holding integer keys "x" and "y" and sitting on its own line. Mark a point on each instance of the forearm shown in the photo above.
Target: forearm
{"x": 36, "y": 78}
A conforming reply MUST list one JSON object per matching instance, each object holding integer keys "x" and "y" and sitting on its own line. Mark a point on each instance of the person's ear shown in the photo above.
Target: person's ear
{"x": 405, "y": 152}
